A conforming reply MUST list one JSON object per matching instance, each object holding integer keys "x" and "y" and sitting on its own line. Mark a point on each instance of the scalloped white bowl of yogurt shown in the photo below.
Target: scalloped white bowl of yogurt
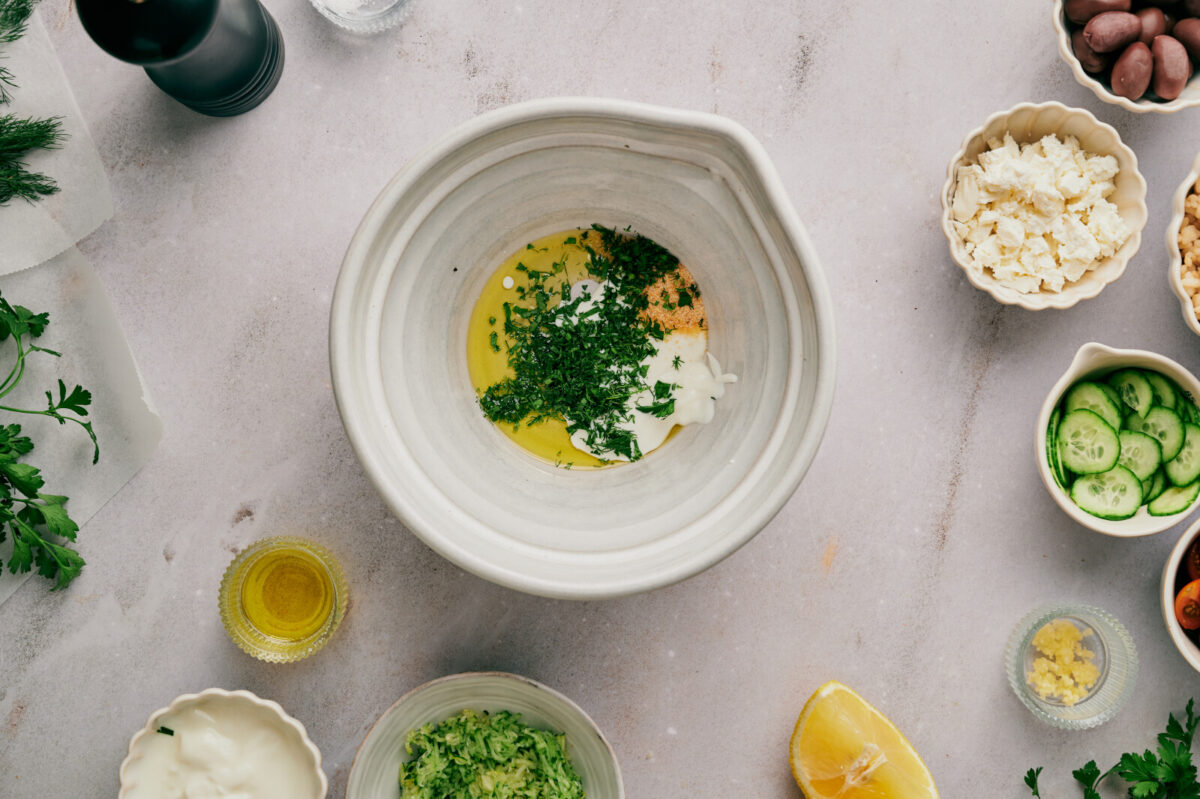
{"x": 695, "y": 183}
{"x": 222, "y": 743}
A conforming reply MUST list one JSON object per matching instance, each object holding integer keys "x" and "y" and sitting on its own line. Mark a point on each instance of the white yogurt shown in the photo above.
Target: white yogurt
{"x": 697, "y": 385}
{"x": 222, "y": 748}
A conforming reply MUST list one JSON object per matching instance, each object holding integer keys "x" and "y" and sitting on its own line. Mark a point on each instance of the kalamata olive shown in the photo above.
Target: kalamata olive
{"x": 1154, "y": 23}
{"x": 1132, "y": 70}
{"x": 1171, "y": 66}
{"x": 1187, "y": 31}
{"x": 1089, "y": 59}
{"x": 1112, "y": 30}
{"x": 1080, "y": 11}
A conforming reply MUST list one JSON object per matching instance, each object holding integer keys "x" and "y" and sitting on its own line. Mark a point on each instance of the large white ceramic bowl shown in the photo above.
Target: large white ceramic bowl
{"x": 376, "y": 768}
{"x": 1189, "y": 650}
{"x": 696, "y": 183}
{"x": 1063, "y": 27}
{"x": 1094, "y": 361}
{"x": 1028, "y": 122}
{"x": 294, "y": 735}
{"x": 1175, "y": 258}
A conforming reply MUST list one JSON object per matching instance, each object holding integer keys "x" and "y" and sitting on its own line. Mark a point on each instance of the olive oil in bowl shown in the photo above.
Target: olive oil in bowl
{"x": 282, "y": 598}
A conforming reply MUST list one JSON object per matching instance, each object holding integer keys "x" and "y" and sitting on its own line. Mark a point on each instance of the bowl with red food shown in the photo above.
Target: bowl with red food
{"x": 1138, "y": 54}
{"x": 1181, "y": 595}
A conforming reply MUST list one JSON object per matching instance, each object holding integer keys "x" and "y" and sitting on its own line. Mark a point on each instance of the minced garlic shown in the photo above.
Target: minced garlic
{"x": 1064, "y": 670}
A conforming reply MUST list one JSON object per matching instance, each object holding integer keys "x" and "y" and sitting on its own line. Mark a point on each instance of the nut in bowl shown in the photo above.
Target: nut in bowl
{"x": 376, "y": 771}
{"x": 1118, "y": 441}
{"x": 1183, "y": 247}
{"x": 1141, "y": 59}
{"x": 1043, "y": 206}
{"x": 1180, "y": 597}
{"x": 222, "y": 743}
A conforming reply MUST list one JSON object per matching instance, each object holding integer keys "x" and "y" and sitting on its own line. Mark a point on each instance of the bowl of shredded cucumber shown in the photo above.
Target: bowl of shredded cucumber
{"x": 484, "y": 734}
{"x": 1118, "y": 441}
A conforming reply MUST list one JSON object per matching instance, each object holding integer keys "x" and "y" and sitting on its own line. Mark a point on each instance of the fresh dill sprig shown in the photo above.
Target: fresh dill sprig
{"x": 14, "y": 17}
{"x": 20, "y": 136}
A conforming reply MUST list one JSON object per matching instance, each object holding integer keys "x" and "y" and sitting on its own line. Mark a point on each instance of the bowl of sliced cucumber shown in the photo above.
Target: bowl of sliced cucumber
{"x": 1118, "y": 441}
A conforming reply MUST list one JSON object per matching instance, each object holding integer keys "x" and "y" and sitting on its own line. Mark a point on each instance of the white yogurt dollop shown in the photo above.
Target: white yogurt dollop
{"x": 696, "y": 384}
{"x": 222, "y": 749}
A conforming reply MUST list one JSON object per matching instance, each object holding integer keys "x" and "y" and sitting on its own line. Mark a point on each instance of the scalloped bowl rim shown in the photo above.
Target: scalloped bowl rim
{"x": 1072, "y": 294}
{"x": 241, "y": 695}
{"x": 1142, "y": 106}
{"x": 556, "y": 697}
{"x": 1075, "y": 371}
{"x": 1176, "y": 257}
{"x": 1190, "y": 652}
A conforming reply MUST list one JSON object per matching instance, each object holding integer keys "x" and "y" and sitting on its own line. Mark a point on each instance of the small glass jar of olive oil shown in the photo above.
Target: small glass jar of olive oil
{"x": 282, "y": 598}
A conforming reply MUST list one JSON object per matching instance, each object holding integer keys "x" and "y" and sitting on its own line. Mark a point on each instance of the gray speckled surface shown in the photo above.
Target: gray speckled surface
{"x": 920, "y": 537}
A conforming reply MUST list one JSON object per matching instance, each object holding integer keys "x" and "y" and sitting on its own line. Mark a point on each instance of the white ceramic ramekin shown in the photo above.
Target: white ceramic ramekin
{"x": 377, "y": 762}
{"x": 1062, "y": 28}
{"x": 1175, "y": 262}
{"x": 1029, "y": 122}
{"x": 1095, "y": 360}
{"x": 698, "y": 184}
{"x": 298, "y": 735}
{"x": 1170, "y": 577}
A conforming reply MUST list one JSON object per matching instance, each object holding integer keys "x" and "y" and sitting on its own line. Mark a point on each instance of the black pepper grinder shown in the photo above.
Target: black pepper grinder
{"x": 217, "y": 57}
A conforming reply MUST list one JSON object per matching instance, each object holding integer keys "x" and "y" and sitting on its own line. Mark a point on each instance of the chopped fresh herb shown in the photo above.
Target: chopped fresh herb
{"x": 487, "y": 755}
{"x": 676, "y": 362}
{"x": 37, "y": 522}
{"x": 583, "y": 366}
{"x": 1167, "y": 774}
{"x": 492, "y": 340}
{"x": 570, "y": 240}
{"x": 685, "y": 299}
{"x": 165, "y": 731}
{"x": 491, "y": 320}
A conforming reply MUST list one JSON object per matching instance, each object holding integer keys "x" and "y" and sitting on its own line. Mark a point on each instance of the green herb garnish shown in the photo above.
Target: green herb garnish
{"x": 36, "y": 521}
{"x": 1166, "y": 774}
{"x": 165, "y": 731}
{"x": 21, "y": 136}
{"x": 474, "y": 755}
{"x": 583, "y": 365}
{"x": 676, "y": 362}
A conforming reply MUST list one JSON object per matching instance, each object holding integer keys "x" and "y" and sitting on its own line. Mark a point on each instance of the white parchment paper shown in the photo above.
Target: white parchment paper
{"x": 84, "y": 328}
{"x": 31, "y": 233}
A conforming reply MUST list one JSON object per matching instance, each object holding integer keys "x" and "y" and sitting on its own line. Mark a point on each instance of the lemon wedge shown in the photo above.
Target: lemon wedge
{"x": 843, "y": 748}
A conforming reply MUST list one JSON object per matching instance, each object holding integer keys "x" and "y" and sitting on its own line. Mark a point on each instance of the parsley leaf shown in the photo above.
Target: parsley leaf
{"x": 38, "y": 523}
{"x": 1167, "y": 773}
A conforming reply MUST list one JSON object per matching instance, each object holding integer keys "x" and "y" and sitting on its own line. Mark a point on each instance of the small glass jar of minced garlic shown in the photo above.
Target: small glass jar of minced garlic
{"x": 1073, "y": 666}
{"x": 282, "y": 598}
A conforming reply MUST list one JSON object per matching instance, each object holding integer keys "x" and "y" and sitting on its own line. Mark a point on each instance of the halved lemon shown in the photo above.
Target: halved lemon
{"x": 843, "y": 748}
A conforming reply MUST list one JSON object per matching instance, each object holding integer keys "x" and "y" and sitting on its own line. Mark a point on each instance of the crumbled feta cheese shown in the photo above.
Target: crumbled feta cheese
{"x": 1036, "y": 216}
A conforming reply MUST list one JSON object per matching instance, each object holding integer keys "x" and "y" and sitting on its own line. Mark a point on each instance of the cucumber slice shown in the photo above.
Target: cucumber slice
{"x": 1175, "y": 499}
{"x": 1134, "y": 389}
{"x": 1140, "y": 454}
{"x": 1163, "y": 424}
{"x": 1158, "y": 484}
{"x": 1112, "y": 394}
{"x": 1087, "y": 444}
{"x": 1184, "y": 468}
{"x": 1056, "y": 468}
{"x": 1086, "y": 394}
{"x": 1115, "y": 494}
{"x": 1164, "y": 392}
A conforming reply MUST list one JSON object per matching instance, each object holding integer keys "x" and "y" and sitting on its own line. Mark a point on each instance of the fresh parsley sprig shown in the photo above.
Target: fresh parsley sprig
{"x": 37, "y": 522}
{"x": 1167, "y": 773}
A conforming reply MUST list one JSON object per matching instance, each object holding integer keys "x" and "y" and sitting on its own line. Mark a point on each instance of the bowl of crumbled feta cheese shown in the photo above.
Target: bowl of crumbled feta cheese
{"x": 1043, "y": 206}
{"x": 1183, "y": 247}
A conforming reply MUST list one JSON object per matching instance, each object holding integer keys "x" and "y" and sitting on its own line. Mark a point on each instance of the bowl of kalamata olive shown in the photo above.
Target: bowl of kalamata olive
{"x": 1138, "y": 54}
{"x": 1181, "y": 595}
